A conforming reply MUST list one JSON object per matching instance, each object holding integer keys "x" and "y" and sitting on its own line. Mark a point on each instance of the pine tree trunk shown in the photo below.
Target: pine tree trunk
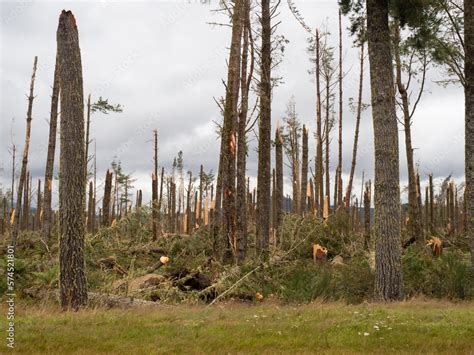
{"x": 89, "y": 207}
{"x": 327, "y": 142}
{"x": 432, "y": 214}
{"x": 339, "y": 161}
{"x": 304, "y": 173}
{"x": 415, "y": 229}
{"x": 72, "y": 278}
{"x": 154, "y": 181}
{"x": 279, "y": 183}
{"x": 319, "y": 192}
{"x": 356, "y": 133}
{"x": 229, "y": 133}
{"x": 48, "y": 175}
{"x": 189, "y": 228}
{"x": 106, "y": 199}
{"x": 88, "y": 123}
{"x": 25, "y": 220}
{"x": 199, "y": 205}
{"x": 39, "y": 206}
{"x": 13, "y": 176}
{"x": 241, "y": 204}
{"x": 264, "y": 146}
{"x": 367, "y": 198}
{"x": 388, "y": 266}
{"x": 469, "y": 126}
{"x": 21, "y": 182}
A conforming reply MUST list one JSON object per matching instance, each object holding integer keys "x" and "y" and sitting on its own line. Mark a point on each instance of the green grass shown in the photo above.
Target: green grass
{"x": 411, "y": 327}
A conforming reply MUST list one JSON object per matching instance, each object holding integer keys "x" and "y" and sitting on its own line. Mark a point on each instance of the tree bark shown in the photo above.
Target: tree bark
{"x": 339, "y": 160}
{"x": 279, "y": 182}
{"x": 319, "y": 192}
{"x": 469, "y": 125}
{"x": 229, "y": 135}
{"x": 39, "y": 206}
{"x": 24, "y": 164}
{"x": 25, "y": 217}
{"x": 388, "y": 266}
{"x": 327, "y": 142}
{"x": 49, "y": 170}
{"x": 106, "y": 199}
{"x": 154, "y": 181}
{"x": 264, "y": 146}
{"x": 245, "y": 80}
{"x": 72, "y": 277}
{"x": 367, "y": 198}
{"x": 304, "y": 173}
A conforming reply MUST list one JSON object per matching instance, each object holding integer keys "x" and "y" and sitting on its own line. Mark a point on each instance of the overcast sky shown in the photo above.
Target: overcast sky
{"x": 164, "y": 63}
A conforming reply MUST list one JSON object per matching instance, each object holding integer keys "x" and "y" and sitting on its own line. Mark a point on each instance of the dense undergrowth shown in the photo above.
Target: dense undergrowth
{"x": 194, "y": 275}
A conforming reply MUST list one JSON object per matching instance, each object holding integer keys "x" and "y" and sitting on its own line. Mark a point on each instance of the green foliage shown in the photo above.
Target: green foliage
{"x": 47, "y": 278}
{"x": 102, "y": 105}
{"x": 447, "y": 276}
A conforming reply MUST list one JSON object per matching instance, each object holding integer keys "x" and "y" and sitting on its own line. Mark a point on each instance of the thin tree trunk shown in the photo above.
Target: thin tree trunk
{"x": 199, "y": 205}
{"x": 279, "y": 182}
{"x": 106, "y": 199}
{"x": 415, "y": 228}
{"x": 189, "y": 228}
{"x": 356, "y": 133}
{"x": 367, "y": 198}
{"x": 469, "y": 124}
{"x": 72, "y": 278}
{"x": 339, "y": 162}
{"x": 88, "y": 123}
{"x": 154, "y": 182}
{"x": 13, "y": 176}
{"x": 319, "y": 192}
{"x": 304, "y": 173}
{"x": 49, "y": 170}
{"x": 388, "y": 265}
{"x": 432, "y": 221}
{"x": 154, "y": 197}
{"x": 89, "y": 207}
{"x": 25, "y": 220}
{"x": 327, "y": 141}
{"x": 94, "y": 199}
{"x": 160, "y": 200}
{"x": 39, "y": 206}
{"x": 21, "y": 182}
{"x": 264, "y": 146}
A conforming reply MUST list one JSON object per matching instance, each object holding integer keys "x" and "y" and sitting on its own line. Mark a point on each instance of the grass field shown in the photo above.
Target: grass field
{"x": 411, "y": 327}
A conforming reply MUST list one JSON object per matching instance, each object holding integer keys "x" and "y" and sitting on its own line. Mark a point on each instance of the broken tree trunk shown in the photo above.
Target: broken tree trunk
{"x": 72, "y": 278}
{"x": 21, "y": 182}
{"x": 49, "y": 170}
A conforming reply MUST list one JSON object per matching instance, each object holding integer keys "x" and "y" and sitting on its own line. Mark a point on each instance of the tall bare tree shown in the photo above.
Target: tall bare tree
{"x": 24, "y": 163}
{"x": 338, "y": 182}
{"x": 356, "y": 132}
{"x": 229, "y": 133}
{"x": 49, "y": 170}
{"x": 245, "y": 81}
{"x": 72, "y": 279}
{"x": 304, "y": 173}
{"x": 279, "y": 182}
